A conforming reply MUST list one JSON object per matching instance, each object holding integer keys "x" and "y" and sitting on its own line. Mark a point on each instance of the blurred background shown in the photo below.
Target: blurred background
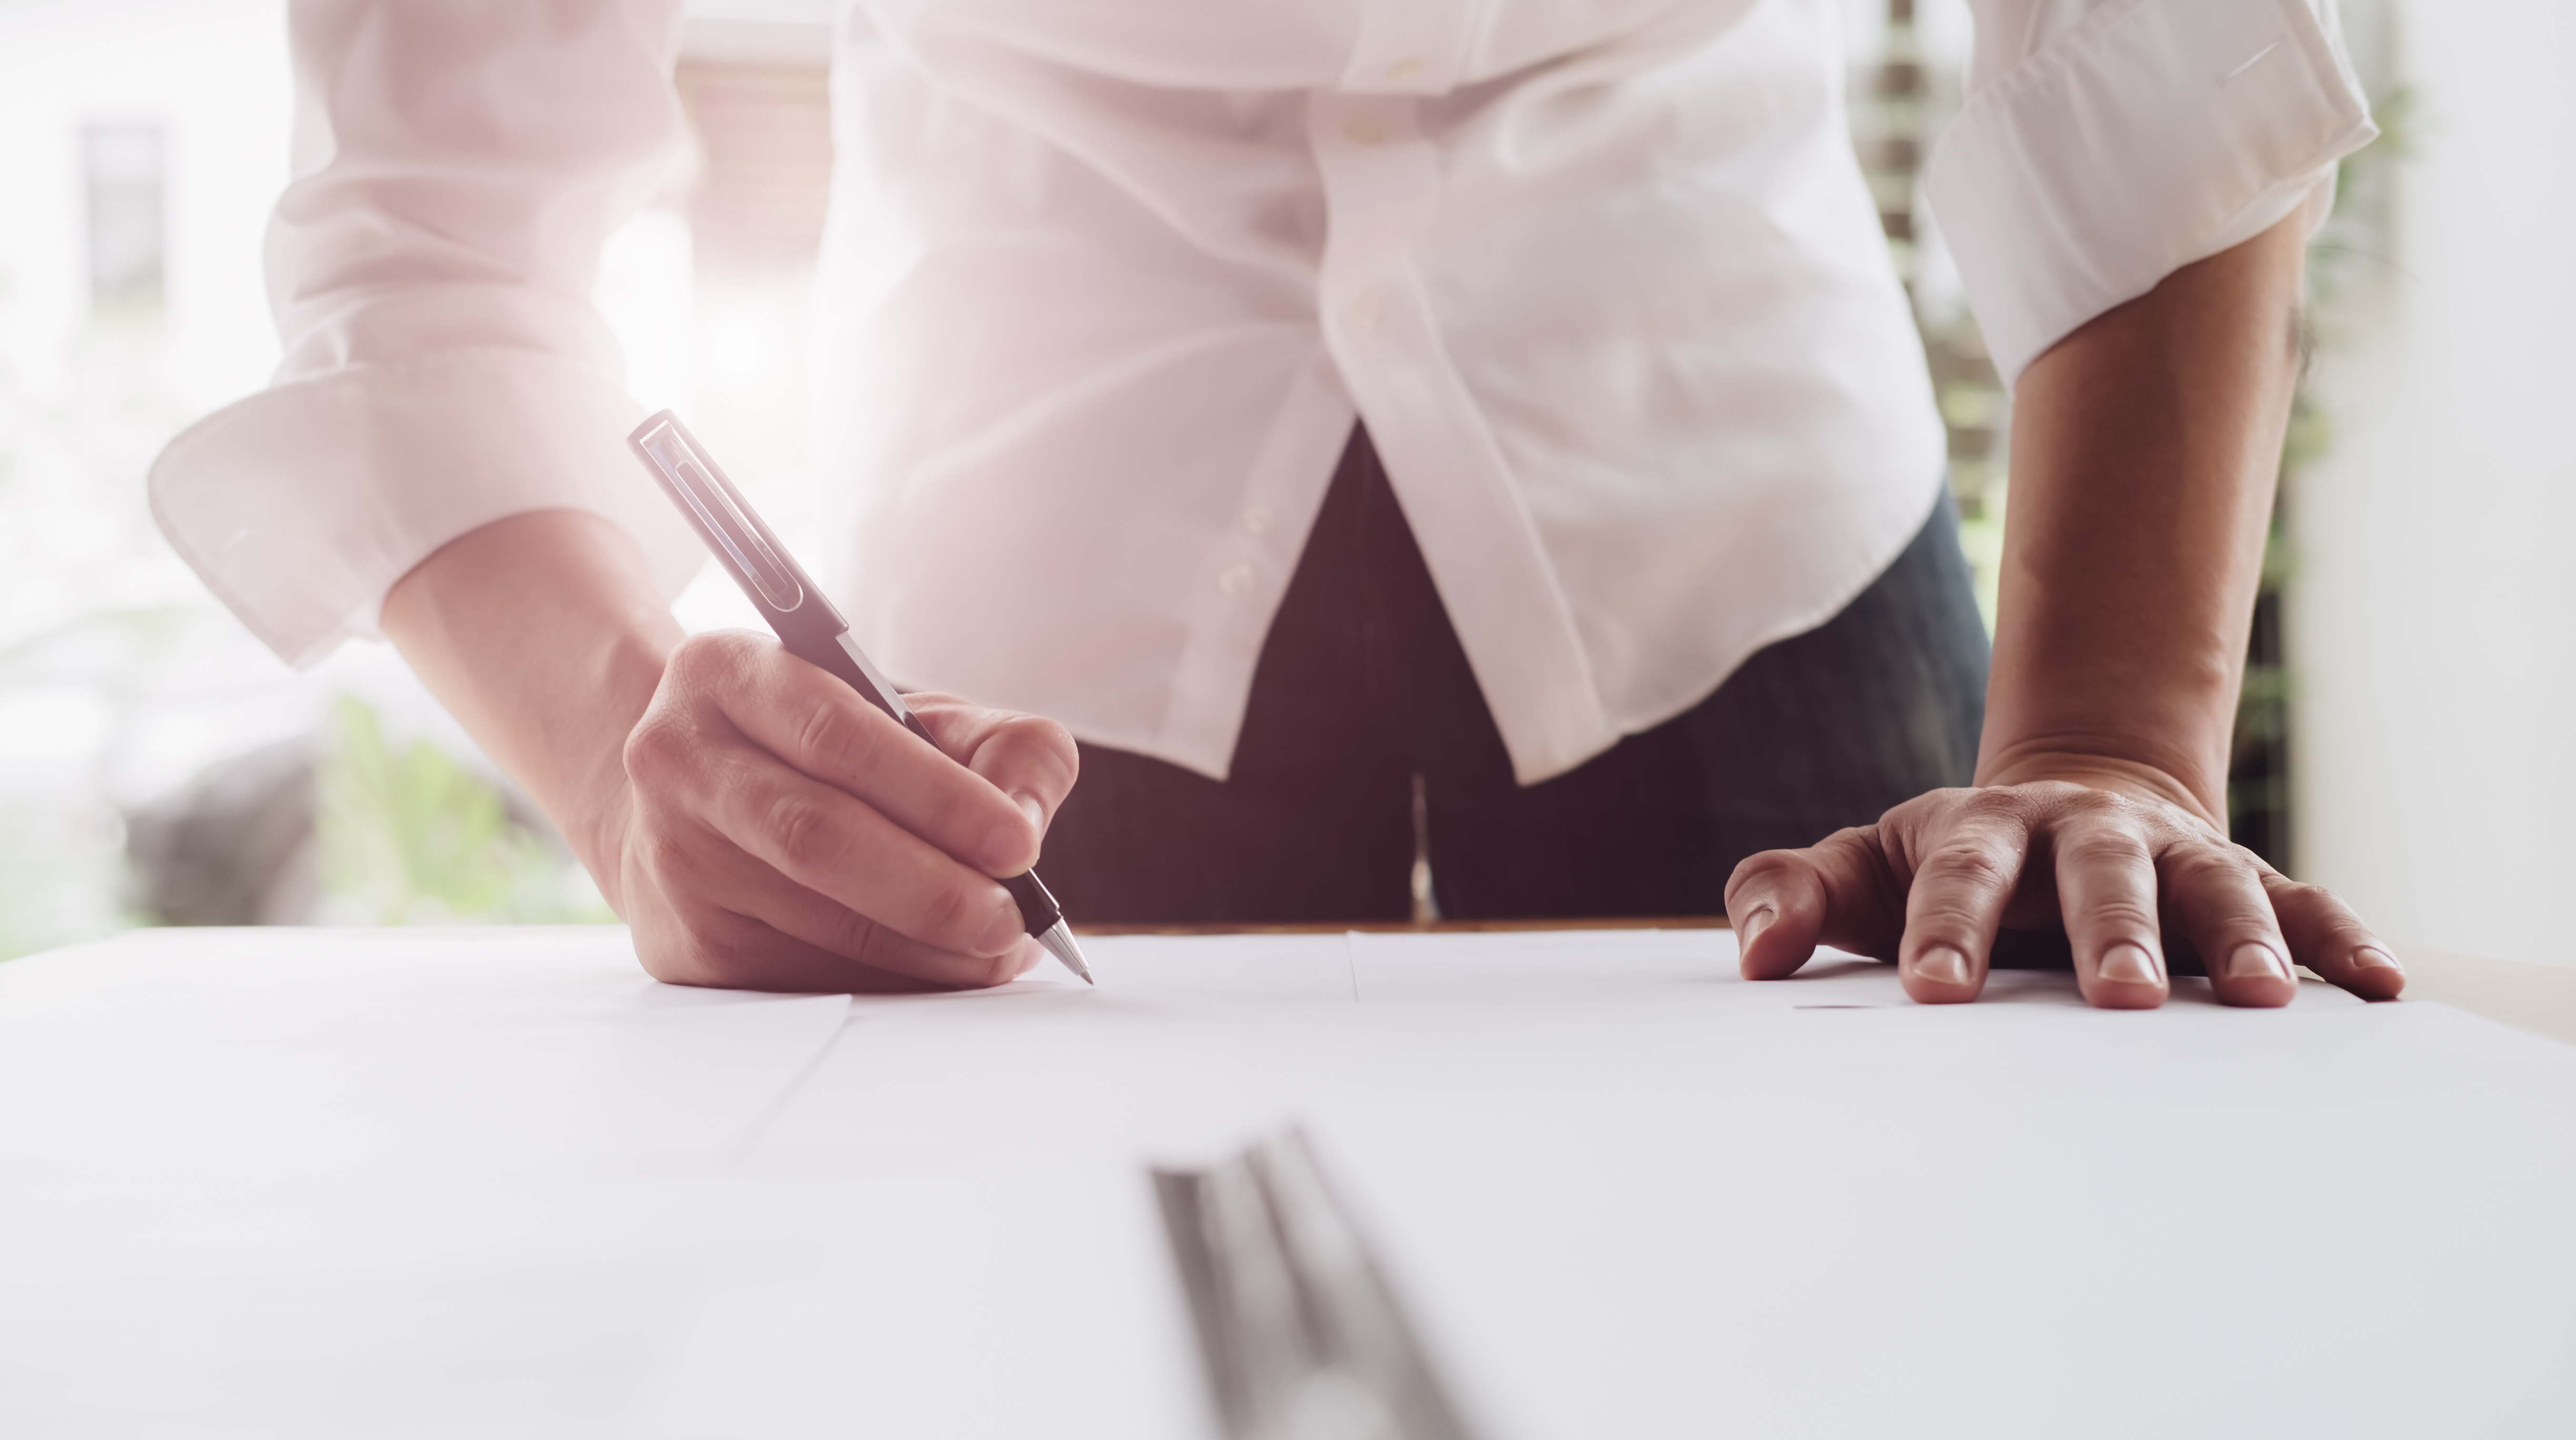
{"x": 2411, "y": 663}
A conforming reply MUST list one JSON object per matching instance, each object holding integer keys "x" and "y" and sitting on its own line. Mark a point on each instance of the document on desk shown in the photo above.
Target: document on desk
{"x": 279, "y": 1051}
{"x": 304, "y": 1182}
{"x": 1625, "y": 1192}
{"x": 1618, "y": 1190}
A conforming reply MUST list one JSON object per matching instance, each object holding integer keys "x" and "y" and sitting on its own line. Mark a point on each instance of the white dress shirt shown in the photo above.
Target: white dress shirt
{"x": 1113, "y": 280}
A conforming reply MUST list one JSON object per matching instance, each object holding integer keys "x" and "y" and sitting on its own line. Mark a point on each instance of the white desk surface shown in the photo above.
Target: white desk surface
{"x": 292, "y": 1183}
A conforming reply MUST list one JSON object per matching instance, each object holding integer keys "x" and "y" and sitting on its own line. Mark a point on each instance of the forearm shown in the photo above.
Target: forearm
{"x": 2145, "y": 450}
{"x": 544, "y": 635}
{"x": 753, "y": 820}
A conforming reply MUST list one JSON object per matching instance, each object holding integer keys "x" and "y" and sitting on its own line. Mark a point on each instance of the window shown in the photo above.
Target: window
{"x": 122, "y": 165}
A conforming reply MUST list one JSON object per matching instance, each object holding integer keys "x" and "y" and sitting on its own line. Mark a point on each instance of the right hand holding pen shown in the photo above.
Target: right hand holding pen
{"x": 780, "y": 833}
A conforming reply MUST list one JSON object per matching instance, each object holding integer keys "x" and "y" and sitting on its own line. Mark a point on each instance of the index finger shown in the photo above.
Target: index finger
{"x": 813, "y": 721}
{"x": 1028, "y": 757}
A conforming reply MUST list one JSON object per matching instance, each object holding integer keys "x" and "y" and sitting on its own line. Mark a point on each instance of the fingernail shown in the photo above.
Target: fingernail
{"x": 1942, "y": 964}
{"x": 2128, "y": 964}
{"x": 1003, "y": 931}
{"x": 2250, "y": 961}
{"x": 2367, "y": 958}
{"x": 1754, "y": 924}
{"x": 1030, "y": 807}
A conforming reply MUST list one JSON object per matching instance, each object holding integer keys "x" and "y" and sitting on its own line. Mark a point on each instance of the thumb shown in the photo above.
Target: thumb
{"x": 1783, "y": 903}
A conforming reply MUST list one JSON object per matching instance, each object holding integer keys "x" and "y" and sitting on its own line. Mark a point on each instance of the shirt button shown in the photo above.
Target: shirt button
{"x": 1365, "y": 310}
{"x": 1258, "y": 520}
{"x": 1404, "y": 72}
{"x": 1235, "y": 579}
{"x": 1365, "y": 130}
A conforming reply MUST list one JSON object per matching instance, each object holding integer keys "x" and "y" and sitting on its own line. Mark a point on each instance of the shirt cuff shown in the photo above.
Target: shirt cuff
{"x": 2153, "y": 134}
{"x": 302, "y": 505}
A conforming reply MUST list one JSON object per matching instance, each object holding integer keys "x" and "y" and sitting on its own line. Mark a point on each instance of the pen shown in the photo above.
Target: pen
{"x": 805, "y": 621}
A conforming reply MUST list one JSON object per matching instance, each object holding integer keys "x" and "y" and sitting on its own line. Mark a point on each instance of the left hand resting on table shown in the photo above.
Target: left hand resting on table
{"x": 1929, "y": 885}
{"x": 2145, "y": 448}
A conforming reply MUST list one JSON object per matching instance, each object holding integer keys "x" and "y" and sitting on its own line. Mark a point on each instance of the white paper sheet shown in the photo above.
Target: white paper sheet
{"x": 1629, "y": 1194}
{"x": 1625, "y": 1194}
{"x": 284, "y": 1052}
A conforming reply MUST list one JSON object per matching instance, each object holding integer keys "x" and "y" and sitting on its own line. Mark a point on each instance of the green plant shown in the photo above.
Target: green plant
{"x": 412, "y": 837}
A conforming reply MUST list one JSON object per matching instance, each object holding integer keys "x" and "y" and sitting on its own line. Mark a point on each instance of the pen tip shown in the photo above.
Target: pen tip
{"x": 1059, "y": 942}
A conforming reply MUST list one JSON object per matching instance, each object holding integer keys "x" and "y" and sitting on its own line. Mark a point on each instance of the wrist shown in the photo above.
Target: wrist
{"x": 598, "y": 841}
{"x": 592, "y": 799}
{"x": 2125, "y": 770}
{"x": 544, "y": 635}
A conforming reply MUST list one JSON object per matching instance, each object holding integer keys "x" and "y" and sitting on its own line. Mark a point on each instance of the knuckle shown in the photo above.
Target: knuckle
{"x": 834, "y": 739}
{"x": 666, "y": 855}
{"x": 1848, "y": 840}
{"x": 2203, "y": 867}
{"x": 1973, "y": 867}
{"x": 1947, "y": 925}
{"x": 1918, "y": 810}
{"x": 2089, "y": 803}
{"x": 1786, "y": 873}
{"x": 951, "y": 921}
{"x": 701, "y": 660}
{"x": 852, "y": 935}
{"x": 1041, "y": 736}
{"x": 1991, "y": 803}
{"x": 685, "y": 667}
{"x": 2120, "y": 915}
{"x": 655, "y": 749}
{"x": 2101, "y": 846}
{"x": 801, "y": 833}
{"x": 2245, "y": 856}
{"x": 1766, "y": 865}
{"x": 871, "y": 944}
{"x": 2302, "y": 895}
{"x": 1029, "y": 745}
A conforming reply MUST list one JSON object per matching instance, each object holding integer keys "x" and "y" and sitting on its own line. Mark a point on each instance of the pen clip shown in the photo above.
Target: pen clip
{"x": 743, "y": 542}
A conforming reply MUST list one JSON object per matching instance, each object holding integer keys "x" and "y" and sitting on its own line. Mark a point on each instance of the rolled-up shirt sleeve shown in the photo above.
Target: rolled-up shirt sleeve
{"x": 458, "y": 168}
{"x": 2106, "y": 144}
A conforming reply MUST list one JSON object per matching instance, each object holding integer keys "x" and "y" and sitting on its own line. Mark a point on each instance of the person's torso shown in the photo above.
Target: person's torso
{"x": 1607, "y": 289}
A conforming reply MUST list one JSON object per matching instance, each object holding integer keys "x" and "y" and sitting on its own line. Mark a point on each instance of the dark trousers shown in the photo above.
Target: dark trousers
{"x": 1362, "y": 687}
